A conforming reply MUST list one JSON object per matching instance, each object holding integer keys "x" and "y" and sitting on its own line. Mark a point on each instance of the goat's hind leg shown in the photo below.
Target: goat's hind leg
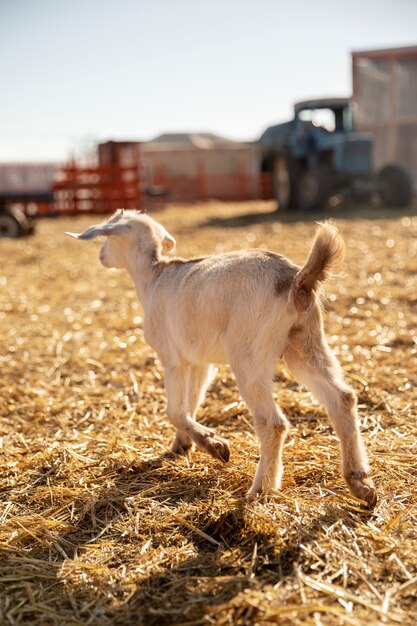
{"x": 271, "y": 426}
{"x": 319, "y": 370}
{"x": 185, "y": 389}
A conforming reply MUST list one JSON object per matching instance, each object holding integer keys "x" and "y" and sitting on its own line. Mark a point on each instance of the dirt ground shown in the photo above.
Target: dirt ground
{"x": 99, "y": 525}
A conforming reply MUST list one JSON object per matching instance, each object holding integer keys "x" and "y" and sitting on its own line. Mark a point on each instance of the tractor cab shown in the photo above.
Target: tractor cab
{"x": 324, "y": 136}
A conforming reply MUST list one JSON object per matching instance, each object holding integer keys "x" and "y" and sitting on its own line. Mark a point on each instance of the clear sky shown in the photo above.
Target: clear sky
{"x": 73, "y": 72}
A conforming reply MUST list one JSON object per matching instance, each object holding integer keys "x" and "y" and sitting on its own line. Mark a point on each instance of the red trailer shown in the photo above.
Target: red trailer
{"x": 113, "y": 183}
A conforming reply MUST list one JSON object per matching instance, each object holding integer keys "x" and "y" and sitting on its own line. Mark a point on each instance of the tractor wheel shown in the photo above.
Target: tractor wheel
{"x": 283, "y": 182}
{"x": 395, "y": 186}
{"x": 314, "y": 188}
{"x": 13, "y": 223}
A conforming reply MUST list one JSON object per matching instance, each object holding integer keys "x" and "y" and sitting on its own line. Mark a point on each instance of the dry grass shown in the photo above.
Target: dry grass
{"x": 100, "y": 526}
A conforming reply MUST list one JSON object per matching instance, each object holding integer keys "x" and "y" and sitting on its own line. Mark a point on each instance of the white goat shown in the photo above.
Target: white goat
{"x": 247, "y": 309}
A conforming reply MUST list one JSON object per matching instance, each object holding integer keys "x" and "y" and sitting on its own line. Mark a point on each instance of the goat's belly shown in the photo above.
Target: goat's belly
{"x": 174, "y": 346}
{"x": 217, "y": 356}
{"x": 212, "y": 352}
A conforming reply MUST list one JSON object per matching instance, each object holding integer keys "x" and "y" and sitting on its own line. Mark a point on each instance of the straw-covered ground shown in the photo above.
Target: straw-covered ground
{"x": 99, "y": 525}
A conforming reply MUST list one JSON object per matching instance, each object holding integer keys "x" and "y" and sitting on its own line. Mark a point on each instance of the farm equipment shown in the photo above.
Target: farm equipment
{"x": 318, "y": 154}
{"x": 14, "y": 220}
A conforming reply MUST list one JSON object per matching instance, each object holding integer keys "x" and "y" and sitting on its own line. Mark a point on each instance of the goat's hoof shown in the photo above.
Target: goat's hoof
{"x": 368, "y": 494}
{"x": 252, "y": 494}
{"x": 363, "y": 488}
{"x": 181, "y": 445}
{"x": 208, "y": 441}
{"x": 265, "y": 487}
{"x": 181, "y": 449}
{"x": 218, "y": 448}
{"x": 370, "y": 497}
{"x": 261, "y": 494}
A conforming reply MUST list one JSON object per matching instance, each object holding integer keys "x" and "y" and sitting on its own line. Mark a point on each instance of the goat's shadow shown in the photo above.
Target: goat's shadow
{"x": 344, "y": 210}
{"x": 200, "y": 584}
{"x": 227, "y": 552}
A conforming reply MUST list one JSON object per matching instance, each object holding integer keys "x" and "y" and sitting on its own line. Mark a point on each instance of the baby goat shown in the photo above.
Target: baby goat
{"x": 248, "y": 309}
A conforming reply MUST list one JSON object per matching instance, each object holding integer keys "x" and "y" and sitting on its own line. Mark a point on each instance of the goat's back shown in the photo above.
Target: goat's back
{"x": 211, "y": 303}
{"x": 234, "y": 275}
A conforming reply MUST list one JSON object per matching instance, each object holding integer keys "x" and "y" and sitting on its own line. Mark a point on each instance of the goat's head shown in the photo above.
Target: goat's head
{"x": 127, "y": 233}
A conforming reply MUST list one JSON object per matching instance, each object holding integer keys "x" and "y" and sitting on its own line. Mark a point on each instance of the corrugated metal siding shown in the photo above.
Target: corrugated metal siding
{"x": 405, "y": 91}
{"x": 406, "y": 148}
{"x": 382, "y": 154}
{"x": 385, "y": 93}
{"x": 372, "y": 91}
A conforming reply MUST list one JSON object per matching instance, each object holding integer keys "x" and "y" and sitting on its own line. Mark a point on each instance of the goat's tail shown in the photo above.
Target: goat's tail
{"x": 325, "y": 258}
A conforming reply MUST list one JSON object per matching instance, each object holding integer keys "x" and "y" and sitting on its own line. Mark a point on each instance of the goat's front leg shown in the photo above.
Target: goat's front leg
{"x": 197, "y": 380}
{"x": 271, "y": 426}
{"x": 184, "y": 387}
{"x": 318, "y": 368}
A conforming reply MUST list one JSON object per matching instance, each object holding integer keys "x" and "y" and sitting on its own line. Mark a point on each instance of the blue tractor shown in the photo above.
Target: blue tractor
{"x": 318, "y": 154}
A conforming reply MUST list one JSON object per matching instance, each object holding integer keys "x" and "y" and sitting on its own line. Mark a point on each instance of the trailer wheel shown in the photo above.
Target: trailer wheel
{"x": 314, "y": 188}
{"x": 13, "y": 223}
{"x": 395, "y": 186}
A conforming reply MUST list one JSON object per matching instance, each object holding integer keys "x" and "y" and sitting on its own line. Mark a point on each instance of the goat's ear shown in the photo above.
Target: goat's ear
{"x": 100, "y": 230}
{"x": 168, "y": 241}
